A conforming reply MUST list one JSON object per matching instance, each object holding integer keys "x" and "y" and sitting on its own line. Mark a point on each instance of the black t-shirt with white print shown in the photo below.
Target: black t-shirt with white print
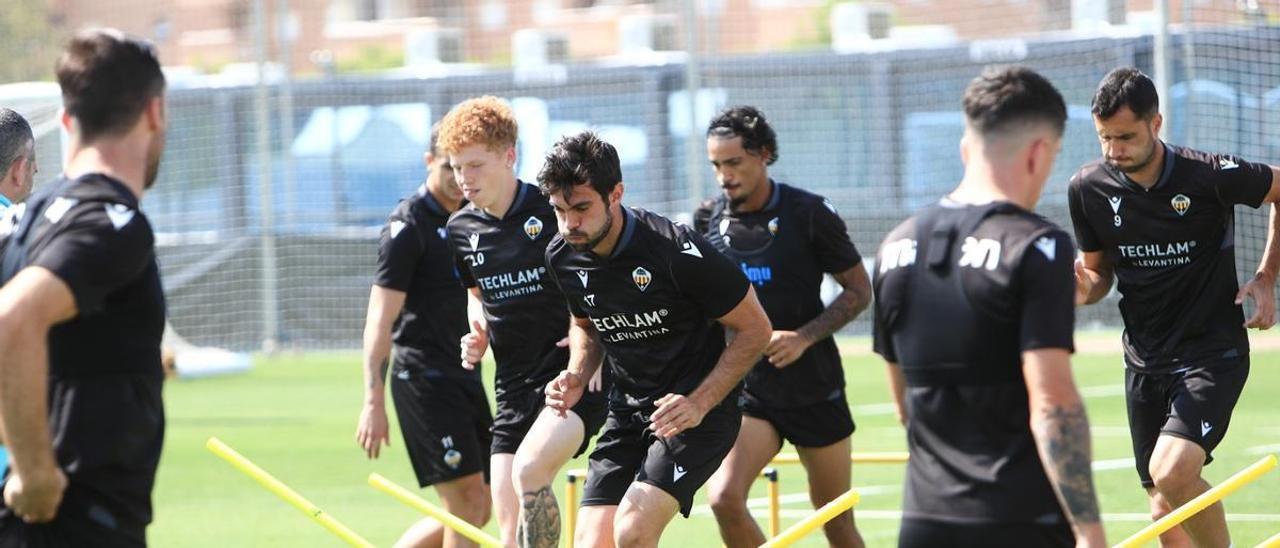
{"x": 961, "y": 292}
{"x": 784, "y": 249}
{"x": 415, "y": 256}
{"x": 105, "y": 376}
{"x": 1172, "y": 248}
{"x": 654, "y": 302}
{"x": 504, "y": 258}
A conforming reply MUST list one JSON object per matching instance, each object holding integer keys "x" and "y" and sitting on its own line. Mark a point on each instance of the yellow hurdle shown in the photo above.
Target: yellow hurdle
{"x": 828, "y": 512}
{"x": 417, "y": 503}
{"x": 1193, "y": 506}
{"x": 283, "y": 491}
{"x": 571, "y": 504}
{"x": 874, "y": 457}
{"x": 775, "y": 504}
{"x": 1273, "y": 542}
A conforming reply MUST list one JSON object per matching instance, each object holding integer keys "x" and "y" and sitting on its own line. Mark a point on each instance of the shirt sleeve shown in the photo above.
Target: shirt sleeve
{"x": 1239, "y": 182}
{"x": 1047, "y": 289}
{"x": 707, "y": 277}
{"x": 400, "y": 250}
{"x": 1085, "y": 236}
{"x": 881, "y": 339}
{"x": 830, "y": 239}
{"x": 96, "y": 249}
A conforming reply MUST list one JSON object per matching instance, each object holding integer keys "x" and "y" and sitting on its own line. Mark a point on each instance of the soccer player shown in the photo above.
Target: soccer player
{"x": 17, "y": 158}
{"x": 500, "y": 240}
{"x": 82, "y": 312}
{"x": 1160, "y": 219}
{"x": 418, "y": 302}
{"x": 656, "y": 299}
{"x": 784, "y": 239}
{"x": 974, "y": 316}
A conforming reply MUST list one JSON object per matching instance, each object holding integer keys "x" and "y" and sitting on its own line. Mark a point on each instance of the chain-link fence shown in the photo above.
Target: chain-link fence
{"x": 865, "y": 98}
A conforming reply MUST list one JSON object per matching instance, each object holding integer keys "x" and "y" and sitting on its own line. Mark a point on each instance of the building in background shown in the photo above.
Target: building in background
{"x": 212, "y": 35}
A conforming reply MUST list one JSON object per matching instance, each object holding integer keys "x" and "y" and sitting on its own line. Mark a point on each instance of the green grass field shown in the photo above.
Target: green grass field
{"x": 295, "y": 416}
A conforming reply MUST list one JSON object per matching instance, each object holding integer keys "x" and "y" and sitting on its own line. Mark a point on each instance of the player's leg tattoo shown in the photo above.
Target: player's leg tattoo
{"x": 540, "y": 527}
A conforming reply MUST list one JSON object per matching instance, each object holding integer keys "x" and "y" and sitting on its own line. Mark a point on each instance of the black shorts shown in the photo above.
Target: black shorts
{"x": 817, "y": 425}
{"x": 1193, "y": 403}
{"x": 445, "y": 422}
{"x": 79, "y": 523}
{"x": 628, "y": 451}
{"x": 517, "y": 412}
{"x": 921, "y": 533}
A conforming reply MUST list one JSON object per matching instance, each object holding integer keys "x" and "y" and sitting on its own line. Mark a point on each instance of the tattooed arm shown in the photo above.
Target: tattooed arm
{"x": 854, "y": 298}
{"x": 1061, "y": 429}
{"x": 372, "y": 429}
{"x": 785, "y": 347}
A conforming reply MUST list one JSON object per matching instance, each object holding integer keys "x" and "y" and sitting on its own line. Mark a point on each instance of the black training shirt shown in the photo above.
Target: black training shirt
{"x": 784, "y": 249}
{"x": 105, "y": 408}
{"x": 1173, "y": 251}
{"x": 414, "y": 256}
{"x": 961, "y": 292}
{"x": 525, "y": 311}
{"x": 654, "y": 302}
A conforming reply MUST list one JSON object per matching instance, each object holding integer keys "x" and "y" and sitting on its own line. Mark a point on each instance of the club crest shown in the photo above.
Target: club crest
{"x": 533, "y": 227}
{"x": 1181, "y": 203}
{"x": 641, "y": 277}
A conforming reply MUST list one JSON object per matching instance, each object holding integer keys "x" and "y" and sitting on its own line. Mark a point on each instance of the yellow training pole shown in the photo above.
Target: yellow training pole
{"x": 1273, "y": 542}
{"x": 283, "y": 491}
{"x": 1193, "y": 506}
{"x": 775, "y": 504}
{"x": 571, "y": 504}
{"x": 828, "y": 512}
{"x": 882, "y": 457}
{"x": 417, "y": 503}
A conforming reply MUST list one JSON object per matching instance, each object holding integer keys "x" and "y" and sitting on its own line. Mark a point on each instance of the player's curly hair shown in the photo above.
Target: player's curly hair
{"x": 484, "y": 120}
{"x": 582, "y": 159}
{"x": 749, "y": 123}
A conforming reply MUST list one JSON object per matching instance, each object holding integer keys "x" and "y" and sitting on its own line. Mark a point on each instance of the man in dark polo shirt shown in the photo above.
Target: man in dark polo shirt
{"x": 784, "y": 239}
{"x": 655, "y": 300}
{"x": 1160, "y": 220}
{"x": 500, "y": 240}
{"x": 82, "y": 313}
{"x": 417, "y": 314}
{"x": 974, "y": 316}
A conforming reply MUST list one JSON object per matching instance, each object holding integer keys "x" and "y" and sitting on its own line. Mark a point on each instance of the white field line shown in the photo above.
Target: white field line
{"x": 1263, "y": 449}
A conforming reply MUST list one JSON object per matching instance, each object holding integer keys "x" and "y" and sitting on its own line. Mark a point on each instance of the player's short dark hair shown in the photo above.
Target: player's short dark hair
{"x": 749, "y": 123}
{"x": 433, "y": 145}
{"x": 107, "y": 80}
{"x": 1004, "y": 98}
{"x": 582, "y": 159}
{"x": 15, "y": 138}
{"x": 1126, "y": 87}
